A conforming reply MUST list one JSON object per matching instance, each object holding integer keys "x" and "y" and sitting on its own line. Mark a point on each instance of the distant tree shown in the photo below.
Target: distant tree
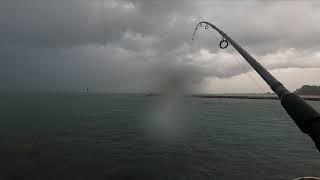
{"x": 308, "y": 90}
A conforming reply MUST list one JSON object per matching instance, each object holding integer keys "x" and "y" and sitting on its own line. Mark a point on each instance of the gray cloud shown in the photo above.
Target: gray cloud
{"x": 128, "y": 45}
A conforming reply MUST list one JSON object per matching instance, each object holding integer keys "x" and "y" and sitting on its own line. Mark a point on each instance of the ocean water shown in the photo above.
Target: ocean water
{"x": 130, "y": 136}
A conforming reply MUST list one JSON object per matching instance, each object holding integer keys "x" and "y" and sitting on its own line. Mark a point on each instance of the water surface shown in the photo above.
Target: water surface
{"x": 128, "y": 136}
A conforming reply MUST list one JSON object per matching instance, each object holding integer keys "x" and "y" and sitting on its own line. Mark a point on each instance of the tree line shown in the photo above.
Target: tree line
{"x": 308, "y": 90}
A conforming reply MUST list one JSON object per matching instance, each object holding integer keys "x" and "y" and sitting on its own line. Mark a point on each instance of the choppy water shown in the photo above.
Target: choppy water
{"x": 68, "y": 136}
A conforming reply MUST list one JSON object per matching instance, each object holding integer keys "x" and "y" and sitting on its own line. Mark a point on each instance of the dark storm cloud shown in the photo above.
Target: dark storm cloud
{"x": 79, "y": 22}
{"x": 127, "y": 45}
{"x": 61, "y": 23}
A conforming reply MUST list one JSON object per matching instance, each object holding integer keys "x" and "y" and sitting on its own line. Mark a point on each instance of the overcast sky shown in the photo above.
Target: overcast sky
{"x": 144, "y": 45}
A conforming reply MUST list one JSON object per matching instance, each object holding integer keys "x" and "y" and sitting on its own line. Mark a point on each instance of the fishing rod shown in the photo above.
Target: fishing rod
{"x": 305, "y": 116}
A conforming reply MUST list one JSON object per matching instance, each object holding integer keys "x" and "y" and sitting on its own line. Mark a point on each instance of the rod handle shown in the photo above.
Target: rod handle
{"x": 304, "y": 115}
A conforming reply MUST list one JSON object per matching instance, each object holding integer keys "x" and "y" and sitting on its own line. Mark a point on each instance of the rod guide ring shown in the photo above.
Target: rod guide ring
{"x": 222, "y": 42}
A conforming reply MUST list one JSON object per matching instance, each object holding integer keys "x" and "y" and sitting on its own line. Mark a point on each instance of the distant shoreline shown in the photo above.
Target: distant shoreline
{"x": 263, "y": 96}
{"x": 266, "y": 97}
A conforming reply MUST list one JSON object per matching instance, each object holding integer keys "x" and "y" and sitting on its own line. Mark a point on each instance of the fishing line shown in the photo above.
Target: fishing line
{"x": 223, "y": 45}
{"x": 246, "y": 71}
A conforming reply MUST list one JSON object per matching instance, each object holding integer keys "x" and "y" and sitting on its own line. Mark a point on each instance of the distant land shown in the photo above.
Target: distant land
{"x": 308, "y": 90}
{"x": 263, "y": 96}
{"x": 266, "y": 96}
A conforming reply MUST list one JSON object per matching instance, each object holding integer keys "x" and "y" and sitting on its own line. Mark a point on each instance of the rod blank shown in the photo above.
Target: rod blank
{"x": 305, "y": 117}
